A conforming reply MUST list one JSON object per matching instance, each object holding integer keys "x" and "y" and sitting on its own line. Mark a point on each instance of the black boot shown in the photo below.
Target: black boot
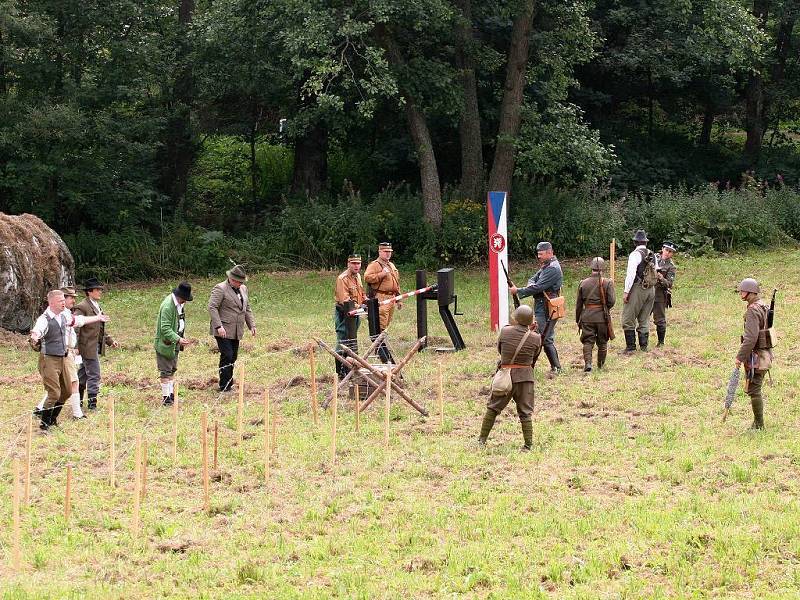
{"x": 630, "y": 341}
{"x": 661, "y": 331}
{"x": 587, "y": 357}
{"x": 92, "y": 403}
{"x": 44, "y": 417}
{"x": 552, "y": 357}
{"x": 56, "y": 410}
{"x": 486, "y": 426}
{"x": 527, "y": 435}
{"x": 643, "y": 337}
{"x": 601, "y": 356}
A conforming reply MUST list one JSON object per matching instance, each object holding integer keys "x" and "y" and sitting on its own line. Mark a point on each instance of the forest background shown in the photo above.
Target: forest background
{"x": 166, "y": 137}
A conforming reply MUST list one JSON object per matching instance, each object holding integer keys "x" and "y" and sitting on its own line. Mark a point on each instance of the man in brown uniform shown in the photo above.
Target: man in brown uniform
{"x": 384, "y": 281}
{"x": 595, "y": 298}
{"x": 755, "y": 352}
{"x": 348, "y": 295}
{"x": 510, "y": 343}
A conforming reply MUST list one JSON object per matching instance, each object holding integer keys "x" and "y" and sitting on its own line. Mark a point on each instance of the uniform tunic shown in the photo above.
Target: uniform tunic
{"x": 663, "y": 286}
{"x": 385, "y": 287}
{"x": 755, "y": 320}
{"x": 548, "y": 279}
{"x": 348, "y": 287}
{"x": 521, "y": 377}
{"x": 589, "y": 309}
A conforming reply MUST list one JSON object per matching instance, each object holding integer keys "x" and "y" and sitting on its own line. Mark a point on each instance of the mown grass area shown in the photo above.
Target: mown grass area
{"x": 634, "y": 489}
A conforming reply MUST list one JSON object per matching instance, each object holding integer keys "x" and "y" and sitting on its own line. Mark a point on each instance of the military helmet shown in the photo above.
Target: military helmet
{"x": 749, "y": 285}
{"x": 523, "y": 315}
{"x": 597, "y": 263}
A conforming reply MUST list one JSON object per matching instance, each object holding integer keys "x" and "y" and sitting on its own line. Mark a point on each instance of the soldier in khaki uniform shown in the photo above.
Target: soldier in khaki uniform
{"x": 665, "y": 270}
{"x": 348, "y": 289}
{"x": 384, "y": 281}
{"x": 755, "y": 352}
{"x": 521, "y": 374}
{"x": 595, "y": 297}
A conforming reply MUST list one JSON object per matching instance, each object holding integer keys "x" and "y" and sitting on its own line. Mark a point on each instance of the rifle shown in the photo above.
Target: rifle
{"x": 606, "y": 313}
{"x": 733, "y": 383}
{"x": 510, "y": 283}
{"x": 771, "y": 312}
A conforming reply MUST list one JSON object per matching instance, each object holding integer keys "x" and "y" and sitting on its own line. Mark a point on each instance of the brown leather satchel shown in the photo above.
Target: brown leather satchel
{"x": 556, "y": 306}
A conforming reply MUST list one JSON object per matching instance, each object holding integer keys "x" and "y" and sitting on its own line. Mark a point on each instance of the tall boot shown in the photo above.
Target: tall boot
{"x": 44, "y": 417}
{"x": 56, "y": 410}
{"x": 92, "y": 403}
{"x": 661, "y": 331}
{"x": 486, "y": 427}
{"x": 758, "y": 412}
{"x": 552, "y": 357}
{"x": 527, "y": 435}
{"x": 587, "y": 357}
{"x": 602, "y": 352}
{"x": 643, "y": 338}
{"x": 630, "y": 341}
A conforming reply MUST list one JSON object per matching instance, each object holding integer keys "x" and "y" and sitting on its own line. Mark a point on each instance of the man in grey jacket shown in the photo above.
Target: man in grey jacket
{"x": 229, "y": 308}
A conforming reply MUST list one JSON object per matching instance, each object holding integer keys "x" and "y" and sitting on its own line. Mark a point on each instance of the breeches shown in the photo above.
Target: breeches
{"x": 55, "y": 377}
{"x": 636, "y": 313}
{"x": 660, "y": 313}
{"x": 594, "y": 333}
{"x": 522, "y": 393}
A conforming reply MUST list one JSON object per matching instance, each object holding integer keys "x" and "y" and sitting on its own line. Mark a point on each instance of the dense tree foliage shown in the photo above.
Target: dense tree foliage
{"x": 127, "y": 114}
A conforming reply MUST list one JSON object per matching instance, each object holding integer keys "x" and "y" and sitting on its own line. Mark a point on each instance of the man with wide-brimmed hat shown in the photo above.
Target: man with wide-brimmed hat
{"x": 53, "y": 335}
{"x": 755, "y": 350}
{"x": 348, "y": 295}
{"x": 517, "y": 344}
{"x": 171, "y": 338}
{"x": 92, "y": 342}
{"x": 595, "y": 299}
{"x": 229, "y": 308}
{"x": 665, "y": 271}
{"x": 640, "y": 293}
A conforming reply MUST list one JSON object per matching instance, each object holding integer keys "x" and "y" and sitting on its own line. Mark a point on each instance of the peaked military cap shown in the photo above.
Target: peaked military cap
{"x": 384, "y": 246}
{"x": 68, "y": 291}
{"x": 542, "y": 246}
{"x": 354, "y": 258}
{"x": 669, "y": 246}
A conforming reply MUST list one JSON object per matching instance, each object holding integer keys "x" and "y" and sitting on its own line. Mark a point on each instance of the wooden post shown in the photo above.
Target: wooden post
{"x": 274, "y": 425}
{"x": 388, "y": 405}
{"x": 28, "y": 462}
{"x": 314, "y": 409}
{"x": 334, "y": 415}
{"x": 358, "y": 408}
{"x": 68, "y": 495}
{"x": 612, "y": 257}
{"x": 137, "y": 485}
{"x": 216, "y": 443}
{"x": 204, "y": 444}
{"x": 144, "y": 468}
{"x": 16, "y": 555}
{"x": 175, "y": 423}
{"x": 112, "y": 464}
{"x": 266, "y": 436}
{"x": 440, "y": 393}
{"x": 240, "y": 406}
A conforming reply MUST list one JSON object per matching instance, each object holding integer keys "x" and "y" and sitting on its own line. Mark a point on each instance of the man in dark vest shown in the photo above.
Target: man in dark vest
{"x": 639, "y": 295}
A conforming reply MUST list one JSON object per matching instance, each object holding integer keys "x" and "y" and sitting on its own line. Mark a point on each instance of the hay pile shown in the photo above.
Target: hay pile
{"x": 33, "y": 261}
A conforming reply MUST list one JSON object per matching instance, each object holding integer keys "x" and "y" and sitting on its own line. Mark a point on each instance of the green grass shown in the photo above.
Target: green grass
{"x": 634, "y": 488}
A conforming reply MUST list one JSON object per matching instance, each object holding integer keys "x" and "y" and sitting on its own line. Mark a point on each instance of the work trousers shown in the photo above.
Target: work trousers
{"x": 89, "y": 376}
{"x": 228, "y": 353}
{"x": 636, "y": 313}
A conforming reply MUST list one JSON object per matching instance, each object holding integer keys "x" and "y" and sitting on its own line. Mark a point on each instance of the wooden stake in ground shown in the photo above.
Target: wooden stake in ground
{"x": 175, "y": 422}
{"x": 440, "y": 392}
{"x": 314, "y": 408}
{"x": 28, "y": 462}
{"x": 388, "y": 405}
{"x": 216, "y": 443}
{"x": 240, "y": 406}
{"x": 612, "y": 257}
{"x": 68, "y": 495}
{"x": 144, "y": 469}
{"x": 274, "y": 427}
{"x": 358, "y": 408}
{"x": 266, "y": 436}
{"x": 334, "y": 415}
{"x": 112, "y": 464}
{"x": 204, "y": 444}
{"x": 137, "y": 485}
{"x": 16, "y": 555}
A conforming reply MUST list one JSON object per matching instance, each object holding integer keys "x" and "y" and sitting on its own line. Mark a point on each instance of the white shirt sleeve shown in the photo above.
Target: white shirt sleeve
{"x": 634, "y": 259}
{"x": 40, "y": 326}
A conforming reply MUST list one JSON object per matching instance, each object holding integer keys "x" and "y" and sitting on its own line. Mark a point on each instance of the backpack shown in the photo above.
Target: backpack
{"x": 646, "y": 271}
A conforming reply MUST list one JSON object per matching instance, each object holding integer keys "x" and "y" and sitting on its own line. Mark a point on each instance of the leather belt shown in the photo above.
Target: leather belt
{"x": 514, "y": 366}
{"x": 592, "y": 306}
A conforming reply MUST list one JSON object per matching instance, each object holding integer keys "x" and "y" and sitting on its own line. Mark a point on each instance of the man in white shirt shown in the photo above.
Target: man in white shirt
{"x": 638, "y": 297}
{"x": 53, "y": 336}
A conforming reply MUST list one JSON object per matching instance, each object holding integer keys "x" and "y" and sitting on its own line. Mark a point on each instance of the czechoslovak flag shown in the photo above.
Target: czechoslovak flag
{"x": 497, "y": 210}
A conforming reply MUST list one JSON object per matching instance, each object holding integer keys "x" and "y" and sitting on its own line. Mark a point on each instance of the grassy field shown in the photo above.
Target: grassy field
{"x": 634, "y": 489}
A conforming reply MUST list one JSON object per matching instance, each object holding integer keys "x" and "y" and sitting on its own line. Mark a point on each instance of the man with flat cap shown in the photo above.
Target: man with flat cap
{"x": 640, "y": 293}
{"x": 384, "y": 283}
{"x": 229, "y": 308}
{"x": 755, "y": 350}
{"x": 348, "y": 295}
{"x": 171, "y": 338}
{"x": 517, "y": 344}
{"x": 665, "y": 271}
{"x": 595, "y": 299}
{"x": 546, "y": 281}
{"x": 92, "y": 342}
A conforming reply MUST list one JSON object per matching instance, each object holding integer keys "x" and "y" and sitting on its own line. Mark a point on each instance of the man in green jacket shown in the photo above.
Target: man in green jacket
{"x": 170, "y": 340}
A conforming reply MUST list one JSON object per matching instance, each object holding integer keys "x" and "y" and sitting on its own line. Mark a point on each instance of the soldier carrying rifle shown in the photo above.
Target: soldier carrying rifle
{"x": 595, "y": 299}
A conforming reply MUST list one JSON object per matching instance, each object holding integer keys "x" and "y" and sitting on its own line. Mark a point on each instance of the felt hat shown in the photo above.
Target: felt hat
{"x": 92, "y": 284}
{"x": 68, "y": 291}
{"x": 237, "y": 273}
{"x": 640, "y": 236}
{"x": 184, "y": 291}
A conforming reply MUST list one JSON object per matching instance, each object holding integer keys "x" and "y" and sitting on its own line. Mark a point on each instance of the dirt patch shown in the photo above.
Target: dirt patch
{"x": 281, "y": 344}
{"x": 178, "y": 546}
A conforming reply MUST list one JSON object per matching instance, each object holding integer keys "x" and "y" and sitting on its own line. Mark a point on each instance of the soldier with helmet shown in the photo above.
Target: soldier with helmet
{"x": 755, "y": 351}
{"x": 596, "y": 297}
{"x": 665, "y": 271}
{"x": 518, "y": 345}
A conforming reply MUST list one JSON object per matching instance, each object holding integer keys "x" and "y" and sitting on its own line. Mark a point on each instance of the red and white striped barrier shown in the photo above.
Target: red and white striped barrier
{"x": 360, "y": 311}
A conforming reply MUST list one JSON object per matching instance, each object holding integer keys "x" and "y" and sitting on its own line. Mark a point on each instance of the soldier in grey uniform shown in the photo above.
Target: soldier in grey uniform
{"x": 521, "y": 374}
{"x": 665, "y": 270}
{"x": 638, "y": 297}
{"x": 755, "y": 351}
{"x": 596, "y": 297}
